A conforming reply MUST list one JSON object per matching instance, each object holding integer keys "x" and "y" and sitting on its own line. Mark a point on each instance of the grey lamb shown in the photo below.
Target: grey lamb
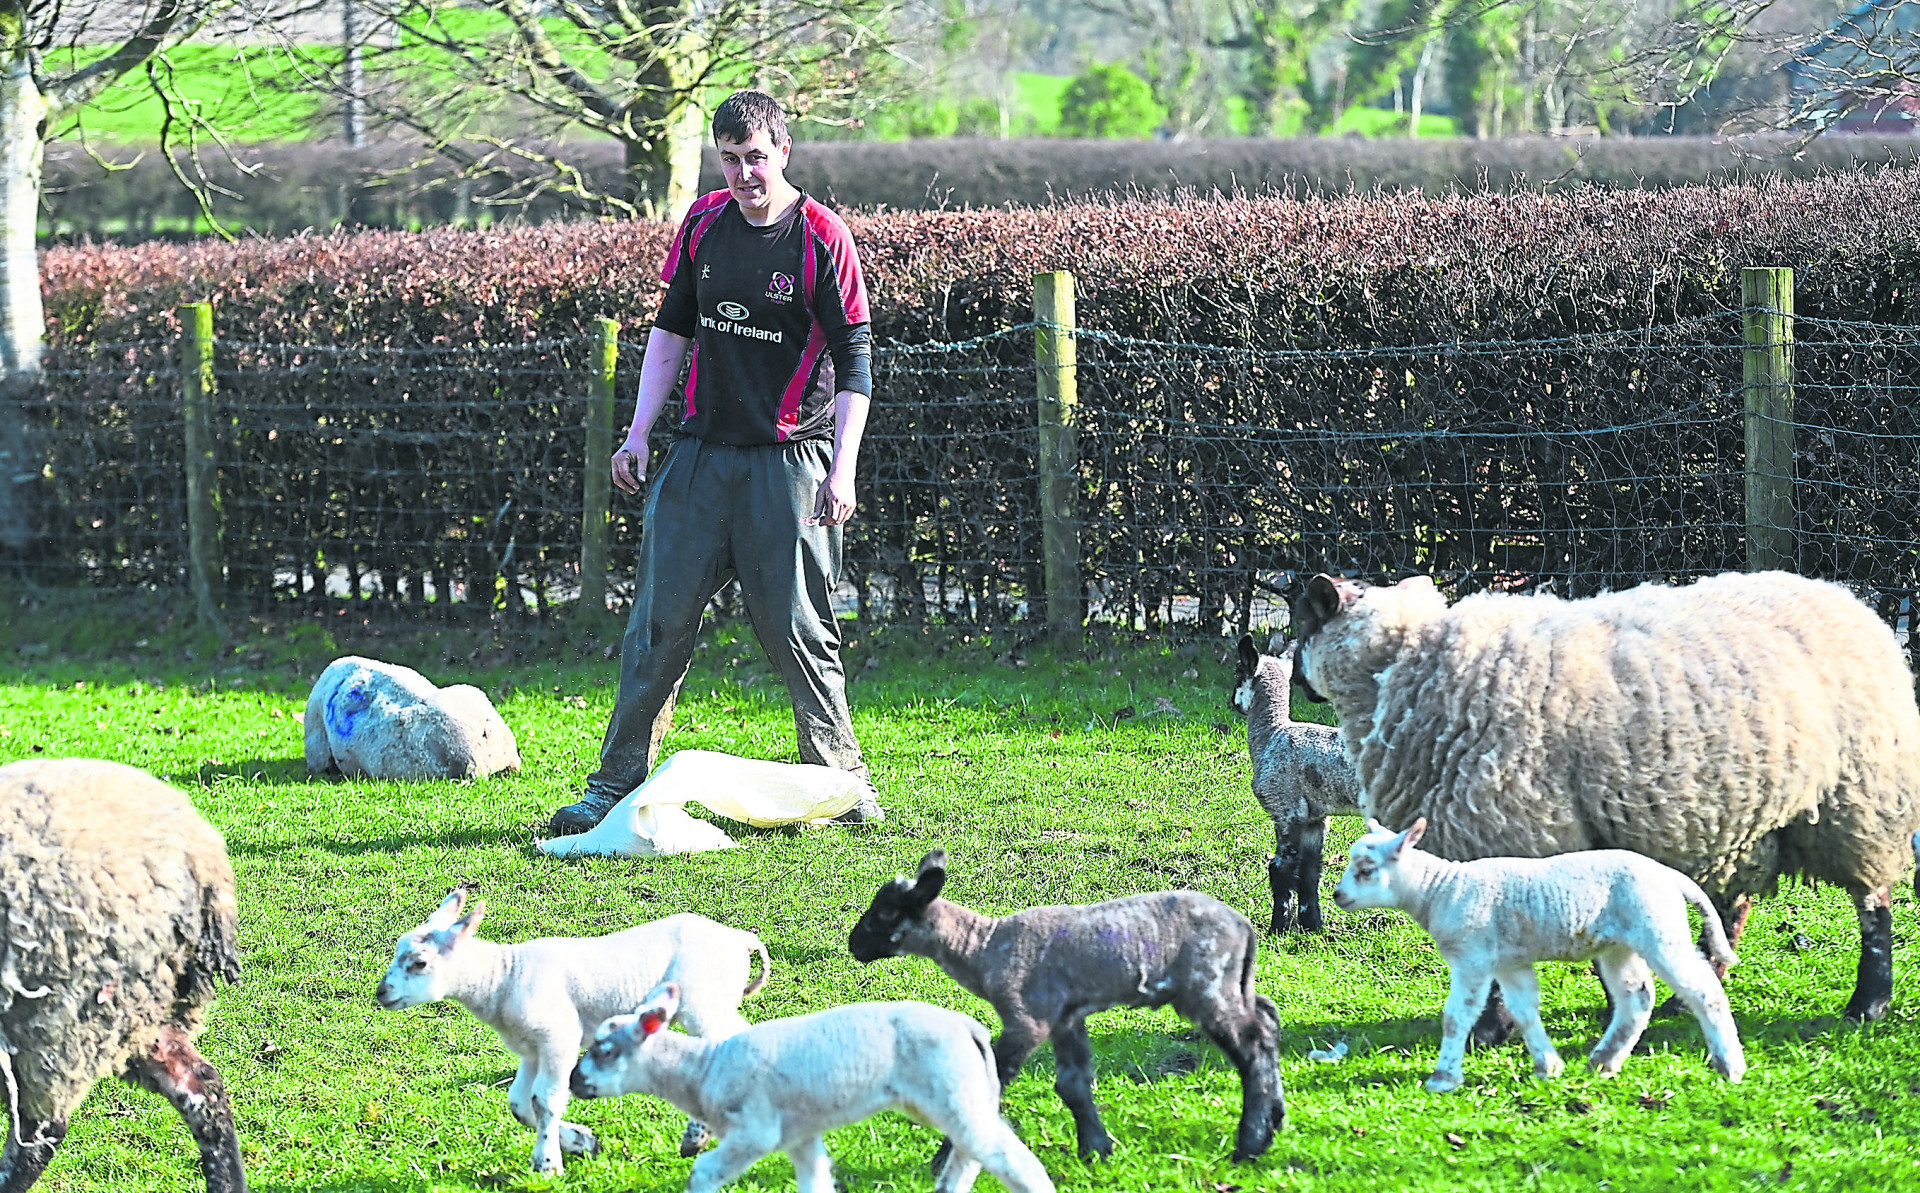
{"x": 1301, "y": 776}
{"x": 1046, "y": 969}
{"x": 119, "y": 913}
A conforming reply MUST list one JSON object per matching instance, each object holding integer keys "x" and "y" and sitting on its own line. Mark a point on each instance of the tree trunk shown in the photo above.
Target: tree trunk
{"x": 663, "y": 163}
{"x": 23, "y": 323}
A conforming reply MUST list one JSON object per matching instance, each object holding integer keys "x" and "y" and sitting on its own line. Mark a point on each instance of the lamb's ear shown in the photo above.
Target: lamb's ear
{"x": 449, "y": 909}
{"x": 1249, "y": 655}
{"x": 1410, "y": 838}
{"x": 465, "y": 925}
{"x": 1326, "y": 598}
{"x": 932, "y": 876}
{"x": 1374, "y": 826}
{"x": 659, "y": 1008}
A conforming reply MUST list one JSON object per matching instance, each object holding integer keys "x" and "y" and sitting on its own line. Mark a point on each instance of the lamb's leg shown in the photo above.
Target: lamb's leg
{"x": 735, "y": 1154}
{"x": 30, "y": 1147}
{"x": 1695, "y": 984}
{"x": 520, "y": 1093}
{"x": 174, "y": 1069}
{"x": 1733, "y": 920}
{"x": 1522, "y": 985}
{"x": 1073, "y": 1081}
{"x": 1630, "y": 991}
{"x": 1313, "y": 859}
{"x": 1242, "y": 1033}
{"x": 812, "y": 1167}
{"x": 986, "y": 1141}
{"x": 1283, "y": 872}
{"x": 1466, "y": 995}
{"x": 549, "y": 1095}
{"x": 1873, "y": 987}
{"x": 1019, "y": 1036}
{"x": 709, "y": 1023}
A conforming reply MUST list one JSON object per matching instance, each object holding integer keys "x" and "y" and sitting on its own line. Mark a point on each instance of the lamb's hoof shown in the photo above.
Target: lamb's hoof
{"x": 1444, "y": 1083}
{"x": 1494, "y": 1027}
{"x": 1312, "y": 921}
{"x": 1096, "y": 1149}
{"x": 1605, "y": 1066}
{"x": 576, "y": 1140}
{"x": 1733, "y": 1068}
{"x": 547, "y": 1167}
{"x": 1253, "y": 1148}
{"x": 1549, "y": 1067}
{"x": 1868, "y": 1010}
{"x": 940, "y": 1158}
{"x": 693, "y": 1139}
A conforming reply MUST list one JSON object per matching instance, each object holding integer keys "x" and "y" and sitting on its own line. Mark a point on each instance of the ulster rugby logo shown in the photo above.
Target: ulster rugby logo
{"x": 780, "y": 287}
{"x": 733, "y": 310}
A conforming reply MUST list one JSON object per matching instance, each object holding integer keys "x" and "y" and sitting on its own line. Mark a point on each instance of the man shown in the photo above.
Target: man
{"x": 765, "y": 292}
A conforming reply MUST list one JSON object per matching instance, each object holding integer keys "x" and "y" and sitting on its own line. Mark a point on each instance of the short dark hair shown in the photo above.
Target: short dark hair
{"x": 745, "y": 112}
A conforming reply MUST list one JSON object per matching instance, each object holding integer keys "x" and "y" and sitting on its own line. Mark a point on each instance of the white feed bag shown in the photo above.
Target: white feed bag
{"x": 650, "y": 821}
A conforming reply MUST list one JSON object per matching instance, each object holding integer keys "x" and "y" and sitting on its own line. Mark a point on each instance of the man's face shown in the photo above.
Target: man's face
{"x": 755, "y": 169}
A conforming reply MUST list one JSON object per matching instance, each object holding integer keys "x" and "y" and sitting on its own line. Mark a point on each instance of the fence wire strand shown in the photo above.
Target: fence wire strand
{"x": 1211, "y": 477}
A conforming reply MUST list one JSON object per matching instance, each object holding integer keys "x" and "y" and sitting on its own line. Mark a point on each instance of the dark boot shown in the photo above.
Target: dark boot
{"x": 589, "y": 811}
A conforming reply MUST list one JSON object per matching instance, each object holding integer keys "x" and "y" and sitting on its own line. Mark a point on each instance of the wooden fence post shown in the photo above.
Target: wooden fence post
{"x": 1056, "y": 366}
{"x": 597, "y": 509}
{"x": 1767, "y": 295}
{"x": 203, "y": 476}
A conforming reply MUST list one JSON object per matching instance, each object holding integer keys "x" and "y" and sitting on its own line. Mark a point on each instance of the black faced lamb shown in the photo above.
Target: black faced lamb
{"x": 1740, "y": 729}
{"x": 118, "y": 902}
{"x": 1492, "y": 919}
{"x": 1300, "y": 776}
{"x": 782, "y": 1084}
{"x": 1046, "y": 969}
{"x": 543, "y": 997}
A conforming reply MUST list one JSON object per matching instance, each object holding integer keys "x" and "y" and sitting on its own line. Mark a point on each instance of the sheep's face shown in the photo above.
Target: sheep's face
{"x": 1373, "y": 866}
{"x": 895, "y": 912}
{"x": 620, "y": 1060}
{"x": 422, "y": 959}
{"x": 1347, "y": 630}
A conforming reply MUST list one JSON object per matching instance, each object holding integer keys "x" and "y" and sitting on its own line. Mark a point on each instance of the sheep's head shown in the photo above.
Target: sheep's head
{"x": 1340, "y": 625}
{"x": 620, "y": 1059}
{"x": 896, "y": 910}
{"x": 418, "y": 974}
{"x": 1249, "y": 665}
{"x": 1373, "y": 866}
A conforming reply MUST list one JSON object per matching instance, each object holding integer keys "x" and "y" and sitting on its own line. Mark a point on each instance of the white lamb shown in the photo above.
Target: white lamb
{"x": 366, "y": 718}
{"x": 781, "y": 1085}
{"x": 1493, "y": 918}
{"x": 544, "y": 997}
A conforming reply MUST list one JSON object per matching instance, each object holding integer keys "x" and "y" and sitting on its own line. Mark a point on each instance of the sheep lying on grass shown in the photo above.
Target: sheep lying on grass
{"x": 543, "y": 997}
{"x": 1740, "y": 729}
{"x": 1300, "y": 776}
{"x": 383, "y": 721}
{"x": 119, "y": 910}
{"x": 781, "y": 1085}
{"x": 1046, "y": 969}
{"x": 1494, "y": 918}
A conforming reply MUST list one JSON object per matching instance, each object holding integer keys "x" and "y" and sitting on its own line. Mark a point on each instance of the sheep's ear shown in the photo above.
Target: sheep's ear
{"x": 1249, "y": 655}
{"x": 1411, "y": 837}
{"x": 1324, "y": 597}
{"x": 465, "y": 926}
{"x": 1374, "y": 826}
{"x": 659, "y": 1008}
{"x": 449, "y": 909}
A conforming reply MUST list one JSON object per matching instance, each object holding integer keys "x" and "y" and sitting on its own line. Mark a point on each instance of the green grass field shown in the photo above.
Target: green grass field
{"x": 1038, "y": 790}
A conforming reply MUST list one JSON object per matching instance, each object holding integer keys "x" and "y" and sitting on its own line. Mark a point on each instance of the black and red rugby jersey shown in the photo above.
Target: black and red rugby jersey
{"x": 777, "y": 316}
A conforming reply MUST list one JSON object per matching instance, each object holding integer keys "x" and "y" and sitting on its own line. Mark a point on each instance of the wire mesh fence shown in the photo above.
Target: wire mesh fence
{"x": 448, "y": 481}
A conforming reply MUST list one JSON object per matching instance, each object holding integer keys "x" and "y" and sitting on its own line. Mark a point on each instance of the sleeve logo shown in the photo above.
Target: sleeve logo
{"x": 733, "y": 310}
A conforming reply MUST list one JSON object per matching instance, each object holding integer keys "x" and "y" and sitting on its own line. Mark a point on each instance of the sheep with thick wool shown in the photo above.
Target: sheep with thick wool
{"x": 1740, "y": 729}
{"x": 376, "y": 720}
{"x": 119, "y": 918}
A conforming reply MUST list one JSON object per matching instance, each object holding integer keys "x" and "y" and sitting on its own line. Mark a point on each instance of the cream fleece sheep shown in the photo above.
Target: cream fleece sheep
{"x": 1739, "y": 729}
{"x": 118, "y": 906}
{"x": 384, "y": 721}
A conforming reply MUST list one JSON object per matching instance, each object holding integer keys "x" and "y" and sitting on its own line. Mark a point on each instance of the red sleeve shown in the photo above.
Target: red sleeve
{"x": 840, "y": 268}
{"x": 679, "y": 309}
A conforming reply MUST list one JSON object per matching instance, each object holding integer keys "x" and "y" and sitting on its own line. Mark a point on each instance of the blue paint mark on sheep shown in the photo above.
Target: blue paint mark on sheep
{"x": 344, "y": 708}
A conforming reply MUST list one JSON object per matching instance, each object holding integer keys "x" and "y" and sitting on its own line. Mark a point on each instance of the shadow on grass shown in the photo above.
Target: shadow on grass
{"x": 396, "y": 843}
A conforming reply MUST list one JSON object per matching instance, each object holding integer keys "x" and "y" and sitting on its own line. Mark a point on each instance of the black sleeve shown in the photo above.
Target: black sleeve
{"x": 851, "y": 346}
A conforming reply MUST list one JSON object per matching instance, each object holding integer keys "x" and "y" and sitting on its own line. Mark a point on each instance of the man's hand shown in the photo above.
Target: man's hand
{"x": 833, "y": 501}
{"x": 629, "y": 470}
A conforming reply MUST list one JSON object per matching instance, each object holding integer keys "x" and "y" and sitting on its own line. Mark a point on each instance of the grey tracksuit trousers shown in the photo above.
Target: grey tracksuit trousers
{"x": 716, "y": 513}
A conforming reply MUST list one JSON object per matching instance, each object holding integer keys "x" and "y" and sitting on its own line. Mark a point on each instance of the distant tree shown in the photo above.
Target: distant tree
{"x": 1109, "y": 101}
{"x": 57, "y": 57}
{"x": 489, "y": 81}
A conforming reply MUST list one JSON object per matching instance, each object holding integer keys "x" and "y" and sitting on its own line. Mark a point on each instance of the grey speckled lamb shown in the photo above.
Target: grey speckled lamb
{"x": 119, "y": 914}
{"x": 1301, "y": 776}
{"x": 1046, "y": 969}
